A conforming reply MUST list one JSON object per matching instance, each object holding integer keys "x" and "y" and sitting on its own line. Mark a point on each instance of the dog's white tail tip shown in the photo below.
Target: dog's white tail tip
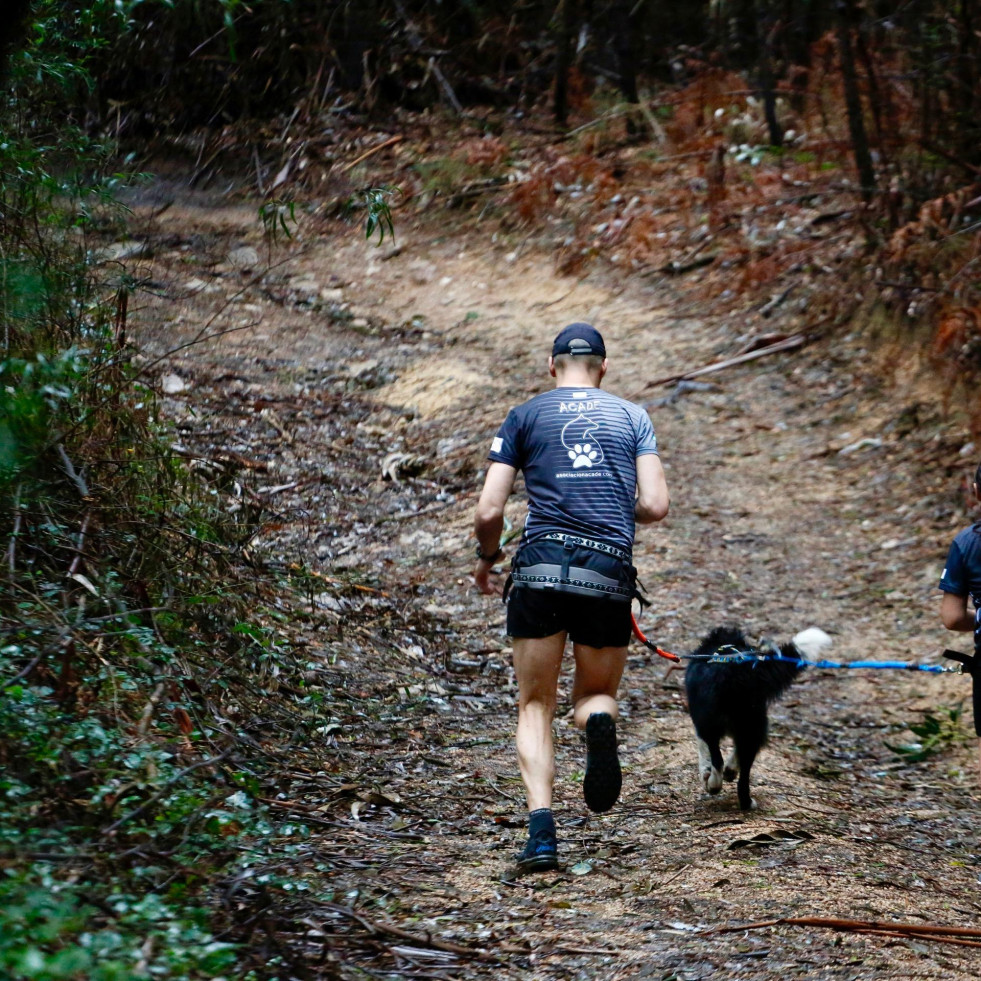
{"x": 811, "y": 642}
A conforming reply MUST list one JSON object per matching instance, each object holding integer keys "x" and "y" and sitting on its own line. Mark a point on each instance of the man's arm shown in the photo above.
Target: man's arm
{"x": 954, "y": 613}
{"x": 489, "y": 520}
{"x": 652, "y": 490}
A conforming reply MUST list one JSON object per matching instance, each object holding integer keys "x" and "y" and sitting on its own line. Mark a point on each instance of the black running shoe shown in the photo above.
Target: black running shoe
{"x": 540, "y": 854}
{"x": 602, "y": 782}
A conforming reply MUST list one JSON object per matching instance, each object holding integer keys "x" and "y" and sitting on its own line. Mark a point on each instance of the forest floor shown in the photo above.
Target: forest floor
{"x": 356, "y": 391}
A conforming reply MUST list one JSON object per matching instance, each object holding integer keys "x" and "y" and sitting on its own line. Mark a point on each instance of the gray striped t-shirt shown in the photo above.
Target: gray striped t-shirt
{"x": 578, "y": 450}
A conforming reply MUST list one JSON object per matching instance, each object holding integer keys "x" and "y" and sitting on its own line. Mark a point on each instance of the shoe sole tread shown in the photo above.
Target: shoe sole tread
{"x": 603, "y": 780}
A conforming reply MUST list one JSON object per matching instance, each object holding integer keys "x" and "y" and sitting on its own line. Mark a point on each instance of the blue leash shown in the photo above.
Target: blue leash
{"x": 752, "y": 657}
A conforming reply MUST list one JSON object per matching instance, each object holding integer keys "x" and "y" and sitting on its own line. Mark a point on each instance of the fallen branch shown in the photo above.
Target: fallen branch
{"x": 789, "y": 344}
{"x": 677, "y": 267}
{"x": 920, "y": 931}
{"x": 587, "y": 951}
{"x": 220, "y": 456}
{"x": 775, "y": 301}
{"x": 424, "y": 940}
{"x": 925, "y": 936}
{"x": 761, "y": 340}
{"x": 372, "y": 152}
{"x": 300, "y": 570}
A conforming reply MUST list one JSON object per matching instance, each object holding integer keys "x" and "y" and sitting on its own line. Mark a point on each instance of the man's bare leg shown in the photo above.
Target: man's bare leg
{"x": 594, "y": 691}
{"x": 537, "y": 662}
{"x": 598, "y": 673}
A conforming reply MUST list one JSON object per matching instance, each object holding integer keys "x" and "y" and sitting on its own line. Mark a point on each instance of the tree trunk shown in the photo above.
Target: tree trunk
{"x": 875, "y": 97}
{"x": 853, "y": 102}
{"x": 623, "y": 44}
{"x": 766, "y": 29}
{"x": 566, "y": 18}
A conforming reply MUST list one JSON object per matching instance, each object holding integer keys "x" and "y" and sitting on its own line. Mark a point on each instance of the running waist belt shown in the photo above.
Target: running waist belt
{"x": 569, "y": 564}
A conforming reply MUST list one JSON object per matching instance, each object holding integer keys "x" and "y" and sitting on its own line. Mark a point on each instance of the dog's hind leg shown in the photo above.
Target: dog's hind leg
{"x": 732, "y": 765}
{"x": 709, "y": 764}
{"x": 747, "y": 746}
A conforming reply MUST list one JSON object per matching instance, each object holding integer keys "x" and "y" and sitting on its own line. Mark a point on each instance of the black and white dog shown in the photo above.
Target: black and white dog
{"x": 731, "y": 699}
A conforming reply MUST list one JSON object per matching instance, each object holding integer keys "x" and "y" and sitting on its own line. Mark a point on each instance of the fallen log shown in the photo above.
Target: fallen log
{"x": 788, "y": 344}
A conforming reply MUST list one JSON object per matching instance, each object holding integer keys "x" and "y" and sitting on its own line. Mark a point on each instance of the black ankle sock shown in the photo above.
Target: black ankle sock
{"x": 541, "y": 822}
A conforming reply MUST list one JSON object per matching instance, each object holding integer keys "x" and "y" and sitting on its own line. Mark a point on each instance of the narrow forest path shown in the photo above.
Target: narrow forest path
{"x": 808, "y": 488}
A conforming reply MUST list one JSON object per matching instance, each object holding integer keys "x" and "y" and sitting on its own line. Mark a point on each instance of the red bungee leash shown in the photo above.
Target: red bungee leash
{"x": 649, "y": 644}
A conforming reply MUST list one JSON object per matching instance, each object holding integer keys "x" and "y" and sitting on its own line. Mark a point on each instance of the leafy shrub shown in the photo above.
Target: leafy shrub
{"x": 937, "y": 733}
{"x": 48, "y": 932}
{"x": 122, "y": 589}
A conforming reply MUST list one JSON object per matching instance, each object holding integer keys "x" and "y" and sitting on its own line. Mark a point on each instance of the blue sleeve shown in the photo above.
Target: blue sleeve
{"x": 507, "y": 445}
{"x": 646, "y": 440}
{"x": 955, "y": 574}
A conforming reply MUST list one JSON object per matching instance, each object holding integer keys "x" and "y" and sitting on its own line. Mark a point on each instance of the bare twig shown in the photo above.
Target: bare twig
{"x": 415, "y": 41}
{"x": 445, "y": 85}
{"x": 258, "y": 172}
{"x": 292, "y": 485}
{"x": 588, "y": 951}
{"x": 80, "y": 545}
{"x": 621, "y": 109}
{"x": 226, "y": 26}
{"x": 15, "y": 531}
{"x": 77, "y": 479}
{"x": 772, "y": 304}
{"x": 425, "y": 940}
{"x": 23, "y": 673}
{"x": 150, "y": 801}
{"x": 372, "y": 152}
{"x": 150, "y": 708}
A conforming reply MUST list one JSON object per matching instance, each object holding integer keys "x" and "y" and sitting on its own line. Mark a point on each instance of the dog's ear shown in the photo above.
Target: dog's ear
{"x": 811, "y": 642}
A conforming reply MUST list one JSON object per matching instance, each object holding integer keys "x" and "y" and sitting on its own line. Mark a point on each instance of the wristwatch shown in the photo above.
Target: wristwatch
{"x": 488, "y": 558}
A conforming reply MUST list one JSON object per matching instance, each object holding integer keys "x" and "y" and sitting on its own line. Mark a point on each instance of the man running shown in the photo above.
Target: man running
{"x": 962, "y": 578}
{"x": 591, "y": 470}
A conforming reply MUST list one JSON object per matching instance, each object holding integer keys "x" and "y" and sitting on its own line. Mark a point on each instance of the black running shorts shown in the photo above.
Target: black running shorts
{"x": 599, "y": 622}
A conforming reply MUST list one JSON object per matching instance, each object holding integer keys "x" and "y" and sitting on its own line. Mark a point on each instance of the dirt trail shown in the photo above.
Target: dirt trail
{"x": 806, "y": 489}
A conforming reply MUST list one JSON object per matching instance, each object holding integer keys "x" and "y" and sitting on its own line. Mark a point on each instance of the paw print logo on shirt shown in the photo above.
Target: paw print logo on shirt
{"x": 579, "y": 440}
{"x": 583, "y": 455}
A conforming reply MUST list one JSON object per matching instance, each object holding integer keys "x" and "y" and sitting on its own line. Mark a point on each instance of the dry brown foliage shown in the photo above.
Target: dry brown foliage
{"x": 579, "y": 89}
{"x": 958, "y": 330}
{"x": 957, "y": 355}
{"x": 532, "y": 196}
{"x": 696, "y": 103}
{"x": 486, "y": 154}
